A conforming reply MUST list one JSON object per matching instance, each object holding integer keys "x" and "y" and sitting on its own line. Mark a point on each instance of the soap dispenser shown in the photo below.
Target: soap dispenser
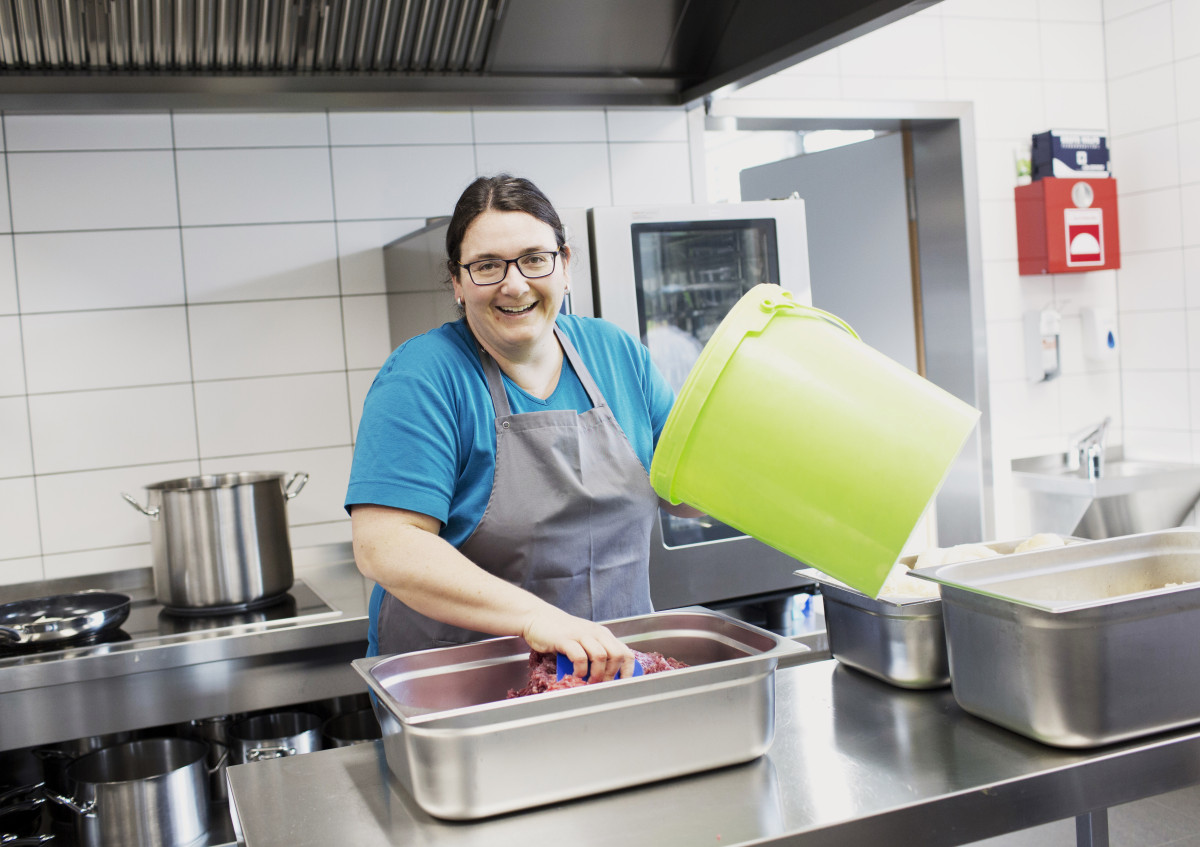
{"x": 1043, "y": 360}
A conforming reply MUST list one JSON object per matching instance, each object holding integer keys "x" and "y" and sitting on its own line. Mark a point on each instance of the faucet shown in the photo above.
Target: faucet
{"x": 1087, "y": 450}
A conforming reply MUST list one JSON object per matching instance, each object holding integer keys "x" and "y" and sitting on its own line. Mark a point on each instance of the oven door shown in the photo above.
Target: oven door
{"x": 668, "y": 276}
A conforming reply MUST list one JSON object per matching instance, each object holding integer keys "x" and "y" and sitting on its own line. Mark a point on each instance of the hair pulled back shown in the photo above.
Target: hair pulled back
{"x": 504, "y": 193}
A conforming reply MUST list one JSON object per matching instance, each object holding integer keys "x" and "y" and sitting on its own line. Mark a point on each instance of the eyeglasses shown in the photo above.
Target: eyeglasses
{"x": 531, "y": 266}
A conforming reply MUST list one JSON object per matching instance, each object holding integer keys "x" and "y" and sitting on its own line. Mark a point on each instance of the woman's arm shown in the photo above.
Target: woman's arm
{"x": 402, "y": 551}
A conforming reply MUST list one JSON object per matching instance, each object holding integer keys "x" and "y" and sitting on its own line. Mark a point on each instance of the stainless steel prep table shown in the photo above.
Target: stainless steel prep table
{"x": 92, "y": 690}
{"x": 854, "y": 761}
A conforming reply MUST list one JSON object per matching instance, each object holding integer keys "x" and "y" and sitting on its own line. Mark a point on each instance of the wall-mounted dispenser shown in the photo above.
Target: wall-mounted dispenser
{"x": 1043, "y": 360}
{"x": 1099, "y": 334}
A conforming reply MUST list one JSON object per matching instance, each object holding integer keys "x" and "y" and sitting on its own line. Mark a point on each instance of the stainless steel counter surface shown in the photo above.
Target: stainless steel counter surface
{"x": 854, "y": 761}
{"x": 101, "y": 688}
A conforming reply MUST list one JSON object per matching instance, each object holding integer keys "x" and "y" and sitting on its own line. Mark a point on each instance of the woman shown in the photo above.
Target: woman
{"x": 499, "y": 484}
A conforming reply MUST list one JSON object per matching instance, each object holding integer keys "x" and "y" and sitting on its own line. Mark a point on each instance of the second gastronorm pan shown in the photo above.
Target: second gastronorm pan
{"x": 464, "y": 751}
{"x": 902, "y": 643}
{"x": 61, "y": 617}
{"x": 1078, "y": 646}
{"x": 900, "y": 640}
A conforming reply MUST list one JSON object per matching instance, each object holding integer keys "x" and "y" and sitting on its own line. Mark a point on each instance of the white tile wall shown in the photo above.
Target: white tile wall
{"x": 267, "y": 185}
{"x": 74, "y": 351}
{"x": 1152, "y": 280}
{"x": 284, "y": 215}
{"x": 572, "y": 175}
{"x": 265, "y": 415}
{"x": 267, "y": 338}
{"x": 15, "y": 456}
{"x": 8, "y": 278}
{"x": 360, "y": 259}
{"x": 197, "y": 292}
{"x": 416, "y": 181}
{"x": 1072, "y": 51}
{"x": 104, "y": 429}
{"x": 98, "y": 270}
{"x": 87, "y": 132}
{"x": 106, "y": 190}
{"x": 248, "y": 130}
{"x": 1148, "y": 160}
{"x": 1185, "y": 22}
{"x": 267, "y": 261}
{"x": 1128, "y": 68}
{"x": 520, "y": 127}
{"x": 12, "y": 360}
{"x": 1141, "y": 41}
{"x": 400, "y": 128}
{"x": 1141, "y": 101}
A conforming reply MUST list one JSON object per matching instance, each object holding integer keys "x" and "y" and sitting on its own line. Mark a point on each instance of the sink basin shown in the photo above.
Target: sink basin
{"x": 1131, "y": 496}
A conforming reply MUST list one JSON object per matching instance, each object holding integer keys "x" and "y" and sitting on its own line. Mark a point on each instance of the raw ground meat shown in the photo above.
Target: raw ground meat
{"x": 543, "y": 668}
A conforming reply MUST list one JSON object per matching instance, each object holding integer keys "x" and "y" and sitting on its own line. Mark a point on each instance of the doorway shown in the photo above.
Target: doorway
{"x": 893, "y": 240}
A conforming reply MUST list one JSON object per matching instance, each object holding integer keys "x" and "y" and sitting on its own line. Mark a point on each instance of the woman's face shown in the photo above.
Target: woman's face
{"x": 513, "y": 317}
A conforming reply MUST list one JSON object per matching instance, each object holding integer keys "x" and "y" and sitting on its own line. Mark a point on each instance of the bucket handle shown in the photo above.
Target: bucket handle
{"x": 770, "y": 305}
{"x": 295, "y": 485}
{"x": 132, "y": 501}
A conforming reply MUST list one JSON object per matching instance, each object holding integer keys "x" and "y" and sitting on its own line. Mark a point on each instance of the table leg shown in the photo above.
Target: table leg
{"x": 1091, "y": 830}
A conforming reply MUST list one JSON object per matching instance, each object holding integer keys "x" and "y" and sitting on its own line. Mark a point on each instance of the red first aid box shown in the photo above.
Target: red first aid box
{"x": 1067, "y": 225}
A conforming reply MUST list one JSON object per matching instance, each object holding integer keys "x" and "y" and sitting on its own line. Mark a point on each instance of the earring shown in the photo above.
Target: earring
{"x": 458, "y": 300}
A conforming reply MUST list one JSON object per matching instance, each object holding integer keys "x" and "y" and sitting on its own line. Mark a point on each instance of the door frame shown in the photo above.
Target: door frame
{"x": 945, "y": 186}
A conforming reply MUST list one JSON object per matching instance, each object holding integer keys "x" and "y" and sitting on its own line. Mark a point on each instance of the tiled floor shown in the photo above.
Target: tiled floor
{"x": 1169, "y": 819}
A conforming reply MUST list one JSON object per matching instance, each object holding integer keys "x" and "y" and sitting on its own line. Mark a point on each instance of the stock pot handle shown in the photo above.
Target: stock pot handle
{"x": 88, "y": 810}
{"x": 258, "y": 754}
{"x": 295, "y": 484}
{"x": 150, "y": 513}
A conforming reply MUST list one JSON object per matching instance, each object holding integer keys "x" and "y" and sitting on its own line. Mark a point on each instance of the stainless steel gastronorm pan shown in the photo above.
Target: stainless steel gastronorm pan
{"x": 464, "y": 751}
{"x": 1078, "y": 646}
{"x": 902, "y": 642}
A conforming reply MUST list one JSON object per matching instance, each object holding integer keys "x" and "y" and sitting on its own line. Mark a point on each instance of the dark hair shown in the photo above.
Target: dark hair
{"x": 504, "y": 193}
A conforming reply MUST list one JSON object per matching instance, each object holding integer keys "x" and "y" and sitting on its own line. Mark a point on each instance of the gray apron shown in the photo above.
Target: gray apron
{"x": 568, "y": 519}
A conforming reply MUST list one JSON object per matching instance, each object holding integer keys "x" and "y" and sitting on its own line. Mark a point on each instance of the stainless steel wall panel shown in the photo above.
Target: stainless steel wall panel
{"x": 247, "y": 22}
{"x": 9, "y": 53}
{"x": 73, "y": 35}
{"x": 343, "y": 54}
{"x": 28, "y": 42}
{"x": 50, "y": 27}
{"x": 267, "y": 42}
{"x": 183, "y": 33}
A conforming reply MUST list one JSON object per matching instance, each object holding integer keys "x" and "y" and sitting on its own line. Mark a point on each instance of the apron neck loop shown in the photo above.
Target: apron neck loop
{"x": 491, "y": 370}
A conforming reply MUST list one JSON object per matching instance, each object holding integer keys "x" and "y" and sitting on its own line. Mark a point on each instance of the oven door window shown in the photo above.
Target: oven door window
{"x": 688, "y": 275}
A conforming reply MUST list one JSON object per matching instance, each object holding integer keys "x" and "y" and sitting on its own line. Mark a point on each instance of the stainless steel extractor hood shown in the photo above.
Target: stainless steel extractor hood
{"x": 409, "y": 53}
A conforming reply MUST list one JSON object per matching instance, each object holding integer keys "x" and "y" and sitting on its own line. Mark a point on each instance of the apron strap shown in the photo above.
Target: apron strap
{"x": 495, "y": 381}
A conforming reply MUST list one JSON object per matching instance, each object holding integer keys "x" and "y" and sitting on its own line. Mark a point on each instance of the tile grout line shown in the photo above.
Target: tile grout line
{"x": 187, "y": 311}
{"x": 37, "y": 511}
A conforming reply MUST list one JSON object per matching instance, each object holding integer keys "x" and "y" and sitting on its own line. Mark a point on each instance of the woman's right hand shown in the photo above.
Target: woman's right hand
{"x": 551, "y": 630}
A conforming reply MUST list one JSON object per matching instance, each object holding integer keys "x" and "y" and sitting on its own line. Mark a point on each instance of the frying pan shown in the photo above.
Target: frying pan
{"x": 61, "y": 617}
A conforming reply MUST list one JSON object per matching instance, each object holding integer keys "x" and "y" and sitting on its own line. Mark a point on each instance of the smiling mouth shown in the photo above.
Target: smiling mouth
{"x": 516, "y": 310}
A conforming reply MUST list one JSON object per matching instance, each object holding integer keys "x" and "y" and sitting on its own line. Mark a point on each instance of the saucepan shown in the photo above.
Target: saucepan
{"x": 150, "y": 791}
{"x": 61, "y": 617}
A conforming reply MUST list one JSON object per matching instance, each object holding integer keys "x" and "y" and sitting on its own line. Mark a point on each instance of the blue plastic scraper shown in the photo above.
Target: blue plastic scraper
{"x": 566, "y": 667}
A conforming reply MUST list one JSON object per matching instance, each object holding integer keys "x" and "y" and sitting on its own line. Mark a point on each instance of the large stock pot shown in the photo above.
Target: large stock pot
{"x": 220, "y": 541}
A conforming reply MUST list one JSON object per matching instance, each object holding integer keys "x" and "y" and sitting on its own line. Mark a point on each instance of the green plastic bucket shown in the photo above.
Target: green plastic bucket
{"x": 792, "y": 430}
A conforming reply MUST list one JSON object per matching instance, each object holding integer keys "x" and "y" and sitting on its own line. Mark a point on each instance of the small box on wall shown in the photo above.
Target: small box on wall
{"x": 1067, "y": 226}
{"x": 1057, "y": 153}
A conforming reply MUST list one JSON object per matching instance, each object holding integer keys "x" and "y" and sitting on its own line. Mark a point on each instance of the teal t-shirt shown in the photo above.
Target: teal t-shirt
{"x": 427, "y": 439}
